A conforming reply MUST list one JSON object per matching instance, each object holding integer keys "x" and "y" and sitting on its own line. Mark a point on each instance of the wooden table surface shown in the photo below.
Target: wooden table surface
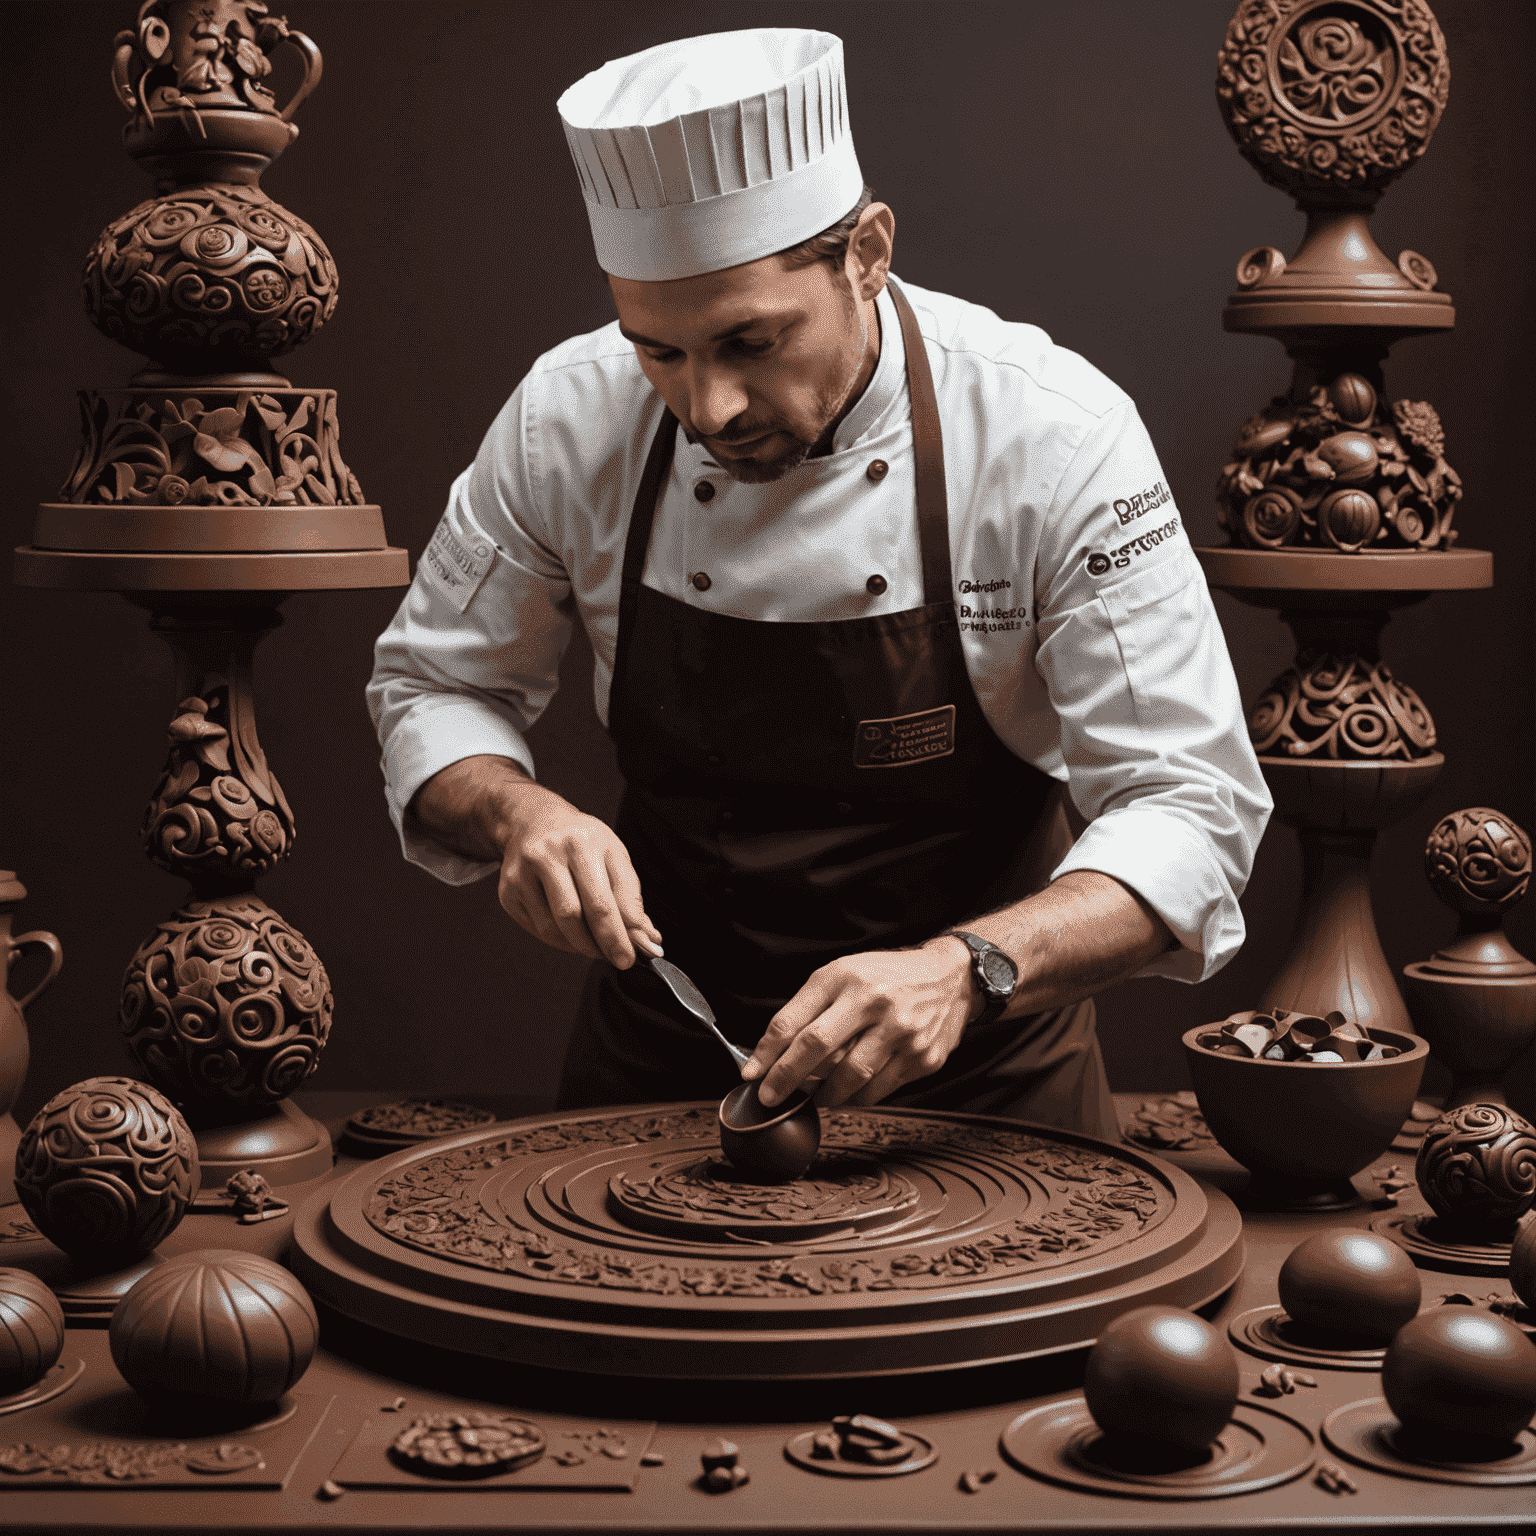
{"x": 360, "y": 1375}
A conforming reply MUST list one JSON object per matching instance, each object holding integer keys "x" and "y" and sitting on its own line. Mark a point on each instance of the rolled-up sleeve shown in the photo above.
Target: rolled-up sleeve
{"x": 472, "y": 655}
{"x": 1152, "y": 725}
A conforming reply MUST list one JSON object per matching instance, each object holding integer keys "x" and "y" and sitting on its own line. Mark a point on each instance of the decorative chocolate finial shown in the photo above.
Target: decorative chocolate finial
{"x": 1477, "y": 1168}
{"x": 1475, "y": 999}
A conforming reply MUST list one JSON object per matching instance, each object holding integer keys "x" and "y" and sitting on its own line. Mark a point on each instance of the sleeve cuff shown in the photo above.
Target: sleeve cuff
{"x": 438, "y": 732}
{"x": 1168, "y": 865}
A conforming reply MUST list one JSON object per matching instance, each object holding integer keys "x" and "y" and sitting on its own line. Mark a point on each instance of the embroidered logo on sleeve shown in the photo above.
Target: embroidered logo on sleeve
{"x": 905, "y": 739}
{"x": 1101, "y": 561}
{"x": 456, "y": 566}
{"x": 1128, "y": 509}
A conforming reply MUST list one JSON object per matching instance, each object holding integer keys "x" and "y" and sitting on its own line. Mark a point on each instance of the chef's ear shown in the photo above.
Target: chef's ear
{"x": 869, "y": 250}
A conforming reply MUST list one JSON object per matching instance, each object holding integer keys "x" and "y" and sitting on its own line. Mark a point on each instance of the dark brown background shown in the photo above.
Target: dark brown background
{"x": 1062, "y": 164}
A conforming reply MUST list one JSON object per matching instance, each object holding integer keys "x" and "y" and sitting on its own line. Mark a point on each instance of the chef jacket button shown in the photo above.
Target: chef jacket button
{"x": 700, "y": 580}
{"x": 875, "y": 585}
{"x": 704, "y": 491}
{"x": 713, "y": 759}
{"x": 725, "y": 815}
{"x": 878, "y": 470}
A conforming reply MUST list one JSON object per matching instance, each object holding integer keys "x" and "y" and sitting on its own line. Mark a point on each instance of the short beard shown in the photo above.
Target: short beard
{"x": 828, "y": 404}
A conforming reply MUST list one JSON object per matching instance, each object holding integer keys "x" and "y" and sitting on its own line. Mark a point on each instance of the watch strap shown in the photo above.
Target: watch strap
{"x": 993, "y": 1001}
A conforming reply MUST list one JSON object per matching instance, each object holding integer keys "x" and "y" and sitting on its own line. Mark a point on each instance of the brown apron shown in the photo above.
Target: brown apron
{"x": 796, "y": 792}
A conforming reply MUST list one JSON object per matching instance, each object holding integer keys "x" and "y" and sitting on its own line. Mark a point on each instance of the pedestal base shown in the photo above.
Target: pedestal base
{"x": 284, "y": 1146}
{"x": 90, "y": 1298}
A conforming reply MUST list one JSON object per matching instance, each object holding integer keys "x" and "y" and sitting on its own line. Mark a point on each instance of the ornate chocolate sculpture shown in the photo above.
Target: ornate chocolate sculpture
{"x": 218, "y": 1325}
{"x": 1475, "y": 1000}
{"x": 619, "y": 1242}
{"x": 14, "y": 1050}
{"x": 207, "y": 491}
{"x": 106, "y": 1170}
{"x": 1338, "y": 499}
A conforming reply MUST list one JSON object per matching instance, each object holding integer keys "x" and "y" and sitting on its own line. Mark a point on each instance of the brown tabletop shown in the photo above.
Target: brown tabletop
{"x": 364, "y": 1386}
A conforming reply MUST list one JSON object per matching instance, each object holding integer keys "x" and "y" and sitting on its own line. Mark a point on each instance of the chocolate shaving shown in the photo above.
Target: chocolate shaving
{"x": 1281, "y": 1035}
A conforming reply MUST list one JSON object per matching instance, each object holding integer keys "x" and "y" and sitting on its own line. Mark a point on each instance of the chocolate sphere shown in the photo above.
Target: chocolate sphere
{"x": 1349, "y": 518}
{"x": 1478, "y": 860}
{"x": 1162, "y": 1375}
{"x": 1522, "y": 1261}
{"x": 31, "y": 1330}
{"x": 1352, "y": 1283}
{"x": 1463, "y": 1374}
{"x": 1477, "y": 1165}
{"x": 218, "y": 1324}
{"x": 107, "y": 1169}
{"x": 1352, "y": 396}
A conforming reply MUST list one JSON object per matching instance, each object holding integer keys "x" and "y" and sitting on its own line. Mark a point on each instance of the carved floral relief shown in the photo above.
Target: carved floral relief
{"x": 259, "y": 449}
{"x": 1336, "y": 97}
{"x": 1340, "y": 707}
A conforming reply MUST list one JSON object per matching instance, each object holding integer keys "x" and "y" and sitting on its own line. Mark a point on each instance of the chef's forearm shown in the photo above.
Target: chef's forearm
{"x": 1082, "y": 933}
{"x": 469, "y": 806}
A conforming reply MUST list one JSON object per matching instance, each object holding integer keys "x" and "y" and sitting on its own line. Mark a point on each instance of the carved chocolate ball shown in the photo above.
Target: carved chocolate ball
{"x": 1352, "y": 1283}
{"x": 1463, "y": 1374}
{"x": 31, "y": 1330}
{"x": 1522, "y": 1262}
{"x": 1354, "y": 398}
{"x": 1478, "y": 860}
{"x": 107, "y": 1169}
{"x": 1350, "y": 455}
{"x": 1161, "y": 1376}
{"x": 226, "y": 1004}
{"x": 219, "y": 1324}
{"x": 1477, "y": 1165}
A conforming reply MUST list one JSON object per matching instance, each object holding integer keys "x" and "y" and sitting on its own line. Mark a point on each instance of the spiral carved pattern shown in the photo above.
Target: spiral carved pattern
{"x": 208, "y": 277}
{"x": 1478, "y": 860}
{"x": 1335, "y": 97}
{"x": 1340, "y": 707}
{"x": 1477, "y": 1165}
{"x": 226, "y": 1004}
{"x": 107, "y": 1169}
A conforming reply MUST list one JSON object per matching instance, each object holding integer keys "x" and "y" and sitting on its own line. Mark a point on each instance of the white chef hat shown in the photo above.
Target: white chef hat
{"x": 712, "y": 151}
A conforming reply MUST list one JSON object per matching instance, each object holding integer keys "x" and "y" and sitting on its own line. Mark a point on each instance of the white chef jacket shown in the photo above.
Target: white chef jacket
{"x": 1087, "y": 628}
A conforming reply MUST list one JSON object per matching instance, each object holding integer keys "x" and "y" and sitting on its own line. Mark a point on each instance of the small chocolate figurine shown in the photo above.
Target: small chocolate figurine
{"x": 1475, "y": 1000}
{"x": 217, "y": 1325}
{"x": 31, "y": 1330}
{"x": 1350, "y": 1283}
{"x": 1162, "y": 1378}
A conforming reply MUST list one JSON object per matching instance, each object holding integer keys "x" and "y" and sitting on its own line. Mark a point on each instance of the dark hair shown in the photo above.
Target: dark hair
{"x": 832, "y": 243}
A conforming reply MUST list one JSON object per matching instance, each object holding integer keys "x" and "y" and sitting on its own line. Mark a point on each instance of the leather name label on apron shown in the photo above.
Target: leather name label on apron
{"x": 905, "y": 739}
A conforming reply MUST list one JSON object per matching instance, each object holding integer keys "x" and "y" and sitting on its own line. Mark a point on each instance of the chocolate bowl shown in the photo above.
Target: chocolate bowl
{"x": 775, "y": 1144}
{"x": 1302, "y": 1128}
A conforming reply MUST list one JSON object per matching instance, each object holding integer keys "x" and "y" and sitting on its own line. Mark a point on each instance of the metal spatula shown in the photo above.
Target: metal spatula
{"x": 693, "y": 1000}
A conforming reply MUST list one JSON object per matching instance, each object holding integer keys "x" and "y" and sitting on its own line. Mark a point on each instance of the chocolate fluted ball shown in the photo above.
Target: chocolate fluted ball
{"x": 1353, "y": 1283}
{"x": 31, "y": 1330}
{"x": 1477, "y": 1165}
{"x": 1461, "y": 1374}
{"x": 1163, "y": 1377}
{"x": 107, "y": 1169}
{"x": 219, "y": 1324}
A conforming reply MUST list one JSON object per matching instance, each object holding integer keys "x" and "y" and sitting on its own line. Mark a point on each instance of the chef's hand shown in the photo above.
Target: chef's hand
{"x": 868, "y": 1023}
{"x": 568, "y": 880}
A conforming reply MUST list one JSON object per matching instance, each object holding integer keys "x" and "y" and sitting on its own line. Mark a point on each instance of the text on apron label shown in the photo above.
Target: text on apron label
{"x": 457, "y": 568}
{"x": 905, "y": 739}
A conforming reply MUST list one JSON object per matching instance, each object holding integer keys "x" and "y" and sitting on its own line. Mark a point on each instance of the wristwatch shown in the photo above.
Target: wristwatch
{"x": 994, "y": 973}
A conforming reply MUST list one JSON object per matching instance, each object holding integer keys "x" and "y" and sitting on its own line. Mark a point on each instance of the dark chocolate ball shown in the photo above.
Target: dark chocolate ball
{"x": 1352, "y": 1283}
{"x": 1522, "y": 1262}
{"x": 1462, "y": 1374}
{"x": 31, "y": 1330}
{"x": 1477, "y": 1165}
{"x": 1164, "y": 1376}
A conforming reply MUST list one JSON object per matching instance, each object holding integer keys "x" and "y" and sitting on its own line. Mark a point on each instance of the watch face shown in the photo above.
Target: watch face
{"x": 999, "y": 971}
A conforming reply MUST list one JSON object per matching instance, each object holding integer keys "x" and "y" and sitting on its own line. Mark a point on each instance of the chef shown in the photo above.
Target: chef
{"x": 888, "y": 599}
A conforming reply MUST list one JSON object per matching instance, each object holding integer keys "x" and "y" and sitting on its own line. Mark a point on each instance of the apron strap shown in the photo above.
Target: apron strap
{"x": 928, "y": 452}
{"x": 638, "y": 540}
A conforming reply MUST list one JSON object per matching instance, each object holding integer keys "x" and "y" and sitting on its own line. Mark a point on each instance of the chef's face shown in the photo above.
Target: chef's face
{"x": 760, "y": 362}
